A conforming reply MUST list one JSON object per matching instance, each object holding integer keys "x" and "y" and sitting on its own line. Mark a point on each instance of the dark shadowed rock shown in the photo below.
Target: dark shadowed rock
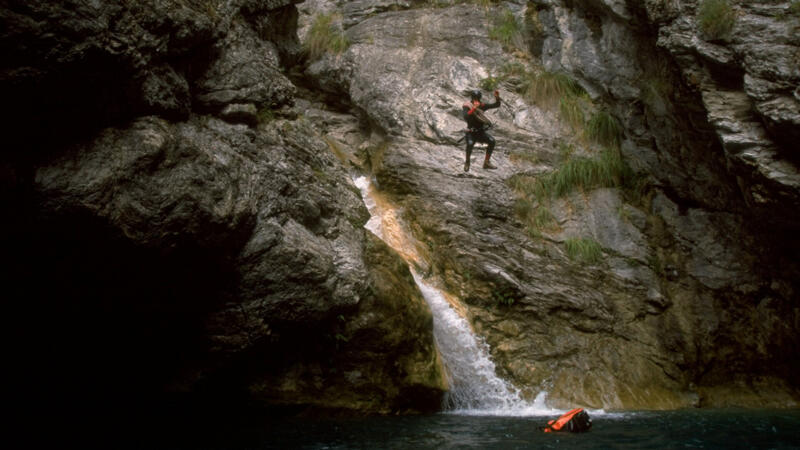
{"x": 247, "y": 71}
{"x": 220, "y": 261}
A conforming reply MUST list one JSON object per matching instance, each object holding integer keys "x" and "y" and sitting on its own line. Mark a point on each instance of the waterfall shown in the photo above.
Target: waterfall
{"x": 475, "y": 388}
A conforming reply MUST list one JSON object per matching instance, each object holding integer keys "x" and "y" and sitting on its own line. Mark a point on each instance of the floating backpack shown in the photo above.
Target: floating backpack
{"x": 574, "y": 421}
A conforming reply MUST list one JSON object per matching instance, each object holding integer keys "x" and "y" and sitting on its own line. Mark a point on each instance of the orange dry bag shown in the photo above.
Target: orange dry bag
{"x": 575, "y": 421}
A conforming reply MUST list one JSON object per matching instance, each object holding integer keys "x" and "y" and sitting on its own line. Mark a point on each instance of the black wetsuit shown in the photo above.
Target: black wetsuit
{"x": 477, "y": 129}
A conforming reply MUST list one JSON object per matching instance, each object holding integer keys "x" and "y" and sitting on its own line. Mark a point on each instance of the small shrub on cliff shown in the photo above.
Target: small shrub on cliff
{"x": 490, "y": 83}
{"x": 503, "y": 297}
{"x": 716, "y": 18}
{"x": 583, "y": 250}
{"x": 325, "y": 36}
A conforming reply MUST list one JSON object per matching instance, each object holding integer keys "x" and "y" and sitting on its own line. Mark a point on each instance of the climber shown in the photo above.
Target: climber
{"x": 575, "y": 421}
{"x": 477, "y": 124}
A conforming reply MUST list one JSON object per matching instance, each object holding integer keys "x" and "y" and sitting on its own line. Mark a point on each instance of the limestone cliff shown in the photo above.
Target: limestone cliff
{"x": 183, "y": 219}
{"x": 690, "y": 297}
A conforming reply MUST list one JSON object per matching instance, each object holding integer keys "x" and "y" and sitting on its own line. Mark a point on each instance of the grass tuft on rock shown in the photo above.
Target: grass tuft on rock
{"x": 571, "y": 112}
{"x": 266, "y": 115}
{"x": 583, "y": 250}
{"x": 325, "y": 36}
{"x": 507, "y": 30}
{"x": 604, "y": 129}
{"x": 534, "y": 192}
{"x": 716, "y": 18}
{"x": 606, "y": 170}
{"x": 548, "y": 88}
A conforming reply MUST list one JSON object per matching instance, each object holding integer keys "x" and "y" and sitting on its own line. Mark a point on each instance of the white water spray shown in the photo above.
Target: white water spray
{"x": 475, "y": 388}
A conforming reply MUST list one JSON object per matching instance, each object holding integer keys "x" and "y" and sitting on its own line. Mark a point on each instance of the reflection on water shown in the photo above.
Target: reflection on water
{"x": 709, "y": 429}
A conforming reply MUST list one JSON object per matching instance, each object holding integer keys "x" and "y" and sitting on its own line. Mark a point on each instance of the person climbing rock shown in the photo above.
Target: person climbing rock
{"x": 477, "y": 124}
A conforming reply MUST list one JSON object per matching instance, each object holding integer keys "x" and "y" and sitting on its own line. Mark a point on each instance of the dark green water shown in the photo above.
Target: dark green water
{"x": 709, "y": 429}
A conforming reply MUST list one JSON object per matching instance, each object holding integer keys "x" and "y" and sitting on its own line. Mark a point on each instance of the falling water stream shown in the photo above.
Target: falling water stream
{"x": 475, "y": 388}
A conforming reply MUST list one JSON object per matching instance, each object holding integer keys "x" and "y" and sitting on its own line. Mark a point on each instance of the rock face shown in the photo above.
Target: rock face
{"x": 185, "y": 223}
{"x": 181, "y": 232}
{"x": 693, "y": 298}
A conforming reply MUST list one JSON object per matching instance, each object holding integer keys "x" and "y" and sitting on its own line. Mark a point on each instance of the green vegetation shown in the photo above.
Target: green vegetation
{"x": 266, "y": 115}
{"x": 534, "y": 192}
{"x": 503, "y": 298}
{"x": 542, "y": 219}
{"x": 507, "y": 71}
{"x": 716, "y": 18}
{"x": 532, "y": 211}
{"x": 604, "y": 129}
{"x": 547, "y": 88}
{"x": 565, "y": 150}
{"x": 512, "y": 69}
{"x": 489, "y": 83}
{"x": 654, "y": 262}
{"x": 794, "y": 8}
{"x": 656, "y": 80}
{"x": 325, "y": 36}
{"x": 583, "y": 249}
{"x": 523, "y": 184}
{"x": 507, "y": 29}
{"x": 523, "y": 207}
{"x": 636, "y": 188}
{"x": 571, "y": 111}
{"x": 606, "y": 170}
{"x": 524, "y": 155}
{"x": 793, "y": 11}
